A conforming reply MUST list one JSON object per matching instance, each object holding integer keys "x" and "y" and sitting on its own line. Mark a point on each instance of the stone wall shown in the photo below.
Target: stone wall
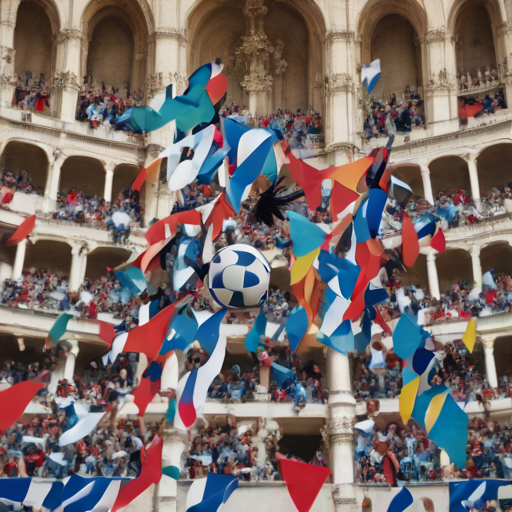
{"x": 393, "y": 43}
{"x": 475, "y": 41}
{"x": 33, "y": 41}
{"x": 18, "y": 157}
{"x": 111, "y": 52}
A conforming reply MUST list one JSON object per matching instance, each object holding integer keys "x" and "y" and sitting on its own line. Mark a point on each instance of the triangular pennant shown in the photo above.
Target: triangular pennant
{"x": 304, "y": 482}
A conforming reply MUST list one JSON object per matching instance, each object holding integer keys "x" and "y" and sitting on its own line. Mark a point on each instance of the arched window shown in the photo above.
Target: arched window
{"x": 33, "y": 41}
{"x": 395, "y": 42}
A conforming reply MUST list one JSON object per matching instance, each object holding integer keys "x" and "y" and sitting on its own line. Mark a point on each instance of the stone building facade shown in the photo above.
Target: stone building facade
{"x": 293, "y": 54}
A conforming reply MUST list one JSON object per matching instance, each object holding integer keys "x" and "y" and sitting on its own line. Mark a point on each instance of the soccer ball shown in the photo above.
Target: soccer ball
{"x": 238, "y": 277}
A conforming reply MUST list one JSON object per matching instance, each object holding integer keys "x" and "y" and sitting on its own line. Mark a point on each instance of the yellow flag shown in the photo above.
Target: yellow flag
{"x": 469, "y": 337}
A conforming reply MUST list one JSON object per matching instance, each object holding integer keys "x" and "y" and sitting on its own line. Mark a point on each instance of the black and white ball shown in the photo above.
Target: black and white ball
{"x": 238, "y": 277}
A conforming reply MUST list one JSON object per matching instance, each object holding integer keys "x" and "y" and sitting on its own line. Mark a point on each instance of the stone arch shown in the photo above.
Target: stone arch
{"x": 473, "y": 24}
{"x": 20, "y": 156}
{"x": 379, "y": 23}
{"x": 417, "y": 275}
{"x": 84, "y": 174}
{"x": 410, "y": 174}
{"x": 50, "y": 255}
{"x": 503, "y": 356}
{"x": 215, "y": 31}
{"x": 37, "y": 22}
{"x": 493, "y": 165}
{"x": 498, "y": 256}
{"x": 102, "y": 257}
{"x": 118, "y": 37}
{"x": 124, "y": 174}
{"x": 449, "y": 172}
{"x": 452, "y": 266}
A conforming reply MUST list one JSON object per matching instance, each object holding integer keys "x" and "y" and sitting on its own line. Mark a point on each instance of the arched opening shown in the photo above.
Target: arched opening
{"x": 33, "y": 41}
{"x": 454, "y": 266}
{"x": 497, "y": 256}
{"x": 7, "y": 254}
{"x": 20, "y": 156}
{"x": 394, "y": 41}
{"x": 448, "y": 173}
{"x": 33, "y": 352}
{"x": 493, "y": 166}
{"x": 117, "y": 53}
{"x": 503, "y": 357}
{"x": 103, "y": 257}
{"x": 83, "y": 174}
{"x": 416, "y": 275}
{"x": 124, "y": 175}
{"x": 110, "y": 56}
{"x": 410, "y": 174}
{"x": 474, "y": 40}
{"x": 55, "y": 257}
{"x": 292, "y": 58}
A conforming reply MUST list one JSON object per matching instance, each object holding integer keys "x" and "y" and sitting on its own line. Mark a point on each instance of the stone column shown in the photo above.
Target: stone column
{"x": 78, "y": 265}
{"x": 19, "y": 260}
{"x": 440, "y": 77}
{"x": 490, "y": 363}
{"x": 52, "y": 182}
{"x": 474, "y": 250}
{"x": 7, "y": 79}
{"x": 338, "y": 433}
{"x": 175, "y": 442}
{"x": 67, "y": 72}
{"x": 341, "y": 96}
{"x": 109, "y": 179}
{"x": 69, "y": 368}
{"x": 168, "y": 51}
{"x": 433, "y": 279}
{"x": 473, "y": 177}
{"x": 427, "y": 184}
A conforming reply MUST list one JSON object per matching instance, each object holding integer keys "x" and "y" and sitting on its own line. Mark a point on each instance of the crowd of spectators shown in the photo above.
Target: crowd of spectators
{"x": 46, "y": 290}
{"x": 383, "y": 118}
{"x": 234, "y": 450}
{"x": 460, "y": 302}
{"x": 19, "y": 183}
{"x": 31, "y": 447}
{"x": 94, "y": 211}
{"x": 32, "y": 94}
{"x": 288, "y": 380}
{"x": 302, "y": 130}
{"x": 104, "y": 104}
{"x": 404, "y": 453}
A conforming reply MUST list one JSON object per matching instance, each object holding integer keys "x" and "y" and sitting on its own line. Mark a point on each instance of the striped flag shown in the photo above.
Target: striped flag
{"x": 211, "y": 493}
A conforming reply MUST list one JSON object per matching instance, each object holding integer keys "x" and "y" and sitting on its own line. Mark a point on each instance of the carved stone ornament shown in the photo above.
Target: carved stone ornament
{"x": 254, "y": 8}
{"x": 65, "y": 79}
{"x": 257, "y": 83}
{"x": 154, "y": 83}
{"x": 339, "y": 499}
{"x": 339, "y": 82}
{"x": 338, "y": 430}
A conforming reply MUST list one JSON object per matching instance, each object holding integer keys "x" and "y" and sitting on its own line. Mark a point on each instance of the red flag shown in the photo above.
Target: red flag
{"x": 148, "y": 338}
{"x": 150, "y": 474}
{"x": 107, "y": 332}
{"x": 222, "y": 210}
{"x": 14, "y": 401}
{"x": 438, "y": 241}
{"x": 24, "y": 229}
{"x": 304, "y": 482}
{"x": 156, "y": 233}
{"x": 139, "y": 180}
{"x": 144, "y": 393}
{"x": 410, "y": 244}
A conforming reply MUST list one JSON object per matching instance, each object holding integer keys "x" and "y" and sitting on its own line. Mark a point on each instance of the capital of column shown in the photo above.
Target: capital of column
{"x": 79, "y": 248}
{"x": 338, "y": 430}
{"x": 74, "y": 347}
{"x": 474, "y": 250}
{"x": 425, "y": 171}
{"x": 431, "y": 257}
{"x": 173, "y": 435}
{"x": 488, "y": 342}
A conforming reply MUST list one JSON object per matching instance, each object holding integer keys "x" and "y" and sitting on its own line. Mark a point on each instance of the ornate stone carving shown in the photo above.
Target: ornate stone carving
{"x": 65, "y": 79}
{"x": 254, "y": 8}
{"x": 279, "y": 63}
{"x": 338, "y": 430}
{"x": 340, "y": 34}
{"x": 154, "y": 83}
{"x": 339, "y": 82}
{"x": 257, "y": 82}
{"x": 435, "y": 36}
{"x": 336, "y": 493}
